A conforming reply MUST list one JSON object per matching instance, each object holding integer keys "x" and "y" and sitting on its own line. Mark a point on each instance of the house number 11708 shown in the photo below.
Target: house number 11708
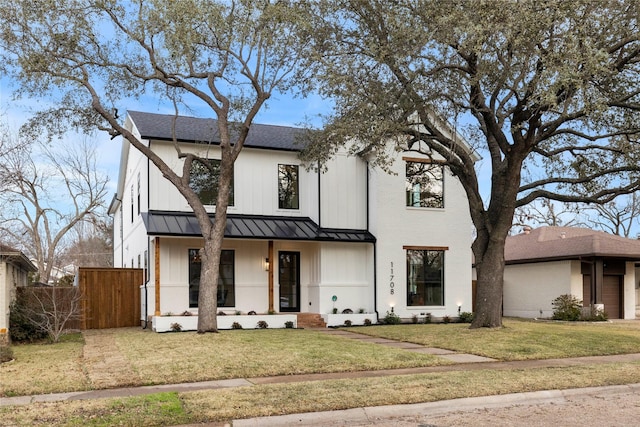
{"x": 391, "y": 283}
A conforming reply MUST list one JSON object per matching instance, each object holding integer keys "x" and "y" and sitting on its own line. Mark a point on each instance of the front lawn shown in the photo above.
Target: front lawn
{"x": 521, "y": 339}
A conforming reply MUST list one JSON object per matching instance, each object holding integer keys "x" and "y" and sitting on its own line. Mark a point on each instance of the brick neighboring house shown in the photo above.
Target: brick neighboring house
{"x": 546, "y": 262}
{"x": 14, "y": 271}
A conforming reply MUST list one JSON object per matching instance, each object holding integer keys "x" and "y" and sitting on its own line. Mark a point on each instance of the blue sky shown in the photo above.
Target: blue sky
{"x": 280, "y": 110}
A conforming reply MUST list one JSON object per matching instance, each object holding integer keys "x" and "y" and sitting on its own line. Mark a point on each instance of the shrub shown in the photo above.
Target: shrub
{"x": 6, "y": 353}
{"x": 428, "y": 319}
{"x": 567, "y": 307}
{"x": 361, "y": 310}
{"x": 465, "y": 317}
{"x": 251, "y": 313}
{"x": 367, "y": 322}
{"x": 414, "y": 319}
{"x": 347, "y": 322}
{"x": 236, "y": 325}
{"x": 391, "y": 318}
{"x": 262, "y": 324}
{"x": 238, "y": 312}
{"x": 446, "y": 319}
{"x": 334, "y": 311}
{"x": 20, "y": 328}
{"x": 176, "y": 327}
{"x": 187, "y": 313}
{"x": 288, "y": 324}
{"x": 271, "y": 312}
{"x": 592, "y": 314}
{"x": 221, "y": 313}
{"x": 347, "y": 311}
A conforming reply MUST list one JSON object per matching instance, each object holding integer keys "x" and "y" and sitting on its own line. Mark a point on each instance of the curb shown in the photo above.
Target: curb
{"x": 366, "y": 415}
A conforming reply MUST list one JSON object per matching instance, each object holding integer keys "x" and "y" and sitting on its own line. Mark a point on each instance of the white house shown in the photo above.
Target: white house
{"x": 297, "y": 241}
{"x": 14, "y": 271}
{"x": 596, "y": 267}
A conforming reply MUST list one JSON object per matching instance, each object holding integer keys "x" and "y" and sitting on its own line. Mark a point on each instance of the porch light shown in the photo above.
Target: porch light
{"x": 392, "y": 305}
{"x": 459, "y": 308}
{"x": 266, "y": 264}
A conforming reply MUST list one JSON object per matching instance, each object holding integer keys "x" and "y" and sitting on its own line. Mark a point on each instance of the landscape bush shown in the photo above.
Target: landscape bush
{"x": 567, "y": 307}
{"x": 391, "y": 318}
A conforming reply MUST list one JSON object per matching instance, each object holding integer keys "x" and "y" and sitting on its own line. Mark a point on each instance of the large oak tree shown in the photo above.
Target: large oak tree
{"x": 92, "y": 57}
{"x": 548, "y": 93}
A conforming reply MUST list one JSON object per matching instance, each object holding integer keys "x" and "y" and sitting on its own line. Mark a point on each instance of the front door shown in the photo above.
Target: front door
{"x": 289, "y": 279}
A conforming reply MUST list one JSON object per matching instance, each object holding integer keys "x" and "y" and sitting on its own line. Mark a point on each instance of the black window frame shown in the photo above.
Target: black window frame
{"x": 207, "y": 190}
{"x": 226, "y": 278}
{"x": 422, "y": 280}
{"x": 431, "y": 186}
{"x": 289, "y": 195}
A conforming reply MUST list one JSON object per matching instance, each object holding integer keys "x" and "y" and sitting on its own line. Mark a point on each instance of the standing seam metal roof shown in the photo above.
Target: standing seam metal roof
{"x": 185, "y": 224}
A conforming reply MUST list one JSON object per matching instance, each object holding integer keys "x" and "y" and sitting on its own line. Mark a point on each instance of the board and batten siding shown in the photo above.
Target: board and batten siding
{"x": 255, "y": 182}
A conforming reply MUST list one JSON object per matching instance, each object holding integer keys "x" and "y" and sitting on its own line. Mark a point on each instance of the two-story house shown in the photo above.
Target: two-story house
{"x": 297, "y": 240}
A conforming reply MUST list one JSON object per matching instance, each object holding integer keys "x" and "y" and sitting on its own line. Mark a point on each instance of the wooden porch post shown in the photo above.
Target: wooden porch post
{"x": 270, "y": 274}
{"x": 157, "y": 274}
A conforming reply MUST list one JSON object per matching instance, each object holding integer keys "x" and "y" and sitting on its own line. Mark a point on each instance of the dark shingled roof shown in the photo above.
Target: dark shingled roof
{"x": 552, "y": 243}
{"x": 251, "y": 227}
{"x": 17, "y": 257}
{"x": 192, "y": 129}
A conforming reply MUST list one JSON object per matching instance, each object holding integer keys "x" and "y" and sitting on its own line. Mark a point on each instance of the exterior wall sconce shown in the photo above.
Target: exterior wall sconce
{"x": 459, "y": 308}
{"x": 266, "y": 264}
{"x": 391, "y": 305}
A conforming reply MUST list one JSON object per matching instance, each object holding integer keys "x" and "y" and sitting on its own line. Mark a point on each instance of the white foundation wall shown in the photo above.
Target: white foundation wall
{"x": 397, "y": 226}
{"x": 5, "y": 299}
{"x": 531, "y": 288}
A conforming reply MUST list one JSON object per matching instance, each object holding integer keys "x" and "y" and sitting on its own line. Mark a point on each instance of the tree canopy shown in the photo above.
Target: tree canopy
{"x": 548, "y": 93}
{"x": 92, "y": 58}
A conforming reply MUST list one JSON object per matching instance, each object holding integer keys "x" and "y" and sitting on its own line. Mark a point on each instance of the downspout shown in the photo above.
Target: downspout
{"x": 319, "y": 199}
{"x": 147, "y": 275}
{"x": 375, "y": 249}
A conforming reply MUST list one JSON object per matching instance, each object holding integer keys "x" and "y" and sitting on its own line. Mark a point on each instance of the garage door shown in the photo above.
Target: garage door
{"x": 611, "y": 296}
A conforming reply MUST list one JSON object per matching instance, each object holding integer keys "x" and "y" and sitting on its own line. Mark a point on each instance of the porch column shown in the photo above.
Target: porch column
{"x": 157, "y": 274}
{"x": 598, "y": 280}
{"x": 272, "y": 262}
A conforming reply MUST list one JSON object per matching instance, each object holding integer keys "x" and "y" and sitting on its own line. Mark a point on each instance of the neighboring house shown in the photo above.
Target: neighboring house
{"x": 297, "y": 240}
{"x": 596, "y": 267}
{"x": 14, "y": 271}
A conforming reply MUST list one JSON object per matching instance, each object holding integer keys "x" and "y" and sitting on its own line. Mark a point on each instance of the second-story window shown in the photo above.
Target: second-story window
{"x": 138, "y": 201}
{"x": 425, "y": 184}
{"x": 205, "y": 179}
{"x": 288, "y": 189}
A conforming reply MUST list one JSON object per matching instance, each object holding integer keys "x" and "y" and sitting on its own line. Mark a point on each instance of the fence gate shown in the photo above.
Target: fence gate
{"x": 111, "y": 297}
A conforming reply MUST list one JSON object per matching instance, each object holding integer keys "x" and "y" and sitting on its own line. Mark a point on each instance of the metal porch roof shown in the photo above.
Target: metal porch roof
{"x": 185, "y": 224}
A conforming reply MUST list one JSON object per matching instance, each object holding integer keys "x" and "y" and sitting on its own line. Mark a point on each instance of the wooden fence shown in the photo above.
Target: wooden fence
{"x": 111, "y": 297}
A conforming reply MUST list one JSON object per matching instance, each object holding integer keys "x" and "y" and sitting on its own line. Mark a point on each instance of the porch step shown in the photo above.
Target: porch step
{"x": 310, "y": 320}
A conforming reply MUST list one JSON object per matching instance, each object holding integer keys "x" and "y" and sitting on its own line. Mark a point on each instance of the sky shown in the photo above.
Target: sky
{"x": 280, "y": 110}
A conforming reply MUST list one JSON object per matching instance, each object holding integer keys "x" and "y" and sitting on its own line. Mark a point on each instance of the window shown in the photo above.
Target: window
{"x": 226, "y": 278}
{"x": 425, "y": 184}
{"x": 138, "y": 201}
{"x": 288, "y": 187}
{"x": 425, "y": 277}
{"x": 132, "y": 205}
{"x": 204, "y": 180}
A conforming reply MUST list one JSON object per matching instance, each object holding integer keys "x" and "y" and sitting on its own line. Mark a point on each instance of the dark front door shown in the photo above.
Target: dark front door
{"x": 289, "y": 279}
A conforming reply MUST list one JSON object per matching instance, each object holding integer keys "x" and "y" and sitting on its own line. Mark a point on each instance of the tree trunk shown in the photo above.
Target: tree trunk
{"x": 208, "y": 296}
{"x": 213, "y": 235}
{"x": 489, "y": 285}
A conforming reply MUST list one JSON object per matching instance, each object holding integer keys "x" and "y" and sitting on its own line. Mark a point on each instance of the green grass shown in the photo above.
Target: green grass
{"x": 521, "y": 339}
{"x": 188, "y": 356}
{"x": 177, "y": 357}
{"x": 269, "y": 400}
